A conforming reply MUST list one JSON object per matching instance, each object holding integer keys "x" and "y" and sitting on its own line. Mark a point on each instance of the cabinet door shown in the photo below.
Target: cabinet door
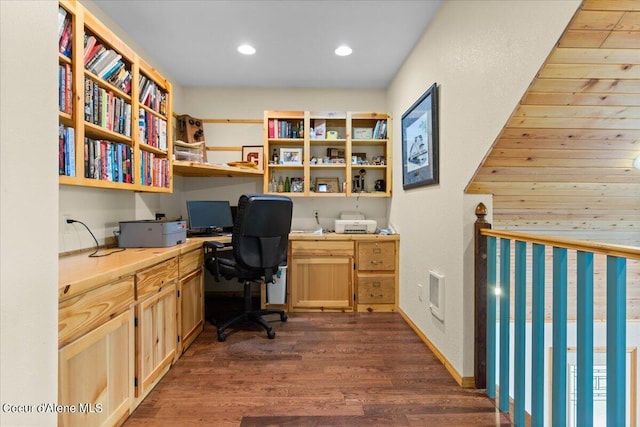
{"x": 191, "y": 308}
{"x": 156, "y": 338}
{"x": 96, "y": 374}
{"x": 321, "y": 283}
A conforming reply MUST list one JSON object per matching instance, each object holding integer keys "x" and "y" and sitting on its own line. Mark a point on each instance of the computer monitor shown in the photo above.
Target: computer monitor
{"x": 208, "y": 217}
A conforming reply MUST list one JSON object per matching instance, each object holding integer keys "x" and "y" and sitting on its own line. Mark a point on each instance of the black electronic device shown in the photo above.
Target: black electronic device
{"x": 209, "y": 217}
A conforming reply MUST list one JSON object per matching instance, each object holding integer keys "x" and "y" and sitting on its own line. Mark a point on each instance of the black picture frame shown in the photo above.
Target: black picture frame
{"x": 420, "y": 160}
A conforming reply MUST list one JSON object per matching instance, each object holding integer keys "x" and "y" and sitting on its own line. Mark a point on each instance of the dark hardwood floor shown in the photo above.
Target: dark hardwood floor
{"x": 322, "y": 369}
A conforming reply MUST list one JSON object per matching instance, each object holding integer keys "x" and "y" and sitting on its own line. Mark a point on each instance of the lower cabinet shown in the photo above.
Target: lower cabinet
{"x": 117, "y": 340}
{"x": 321, "y": 275}
{"x": 156, "y": 338}
{"x": 191, "y": 307}
{"x": 190, "y": 299}
{"x": 96, "y": 374}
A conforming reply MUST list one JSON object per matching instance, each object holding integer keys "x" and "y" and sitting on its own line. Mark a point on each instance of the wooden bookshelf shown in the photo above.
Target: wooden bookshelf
{"x": 328, "y": 142}
{"x": 119, "y": 114}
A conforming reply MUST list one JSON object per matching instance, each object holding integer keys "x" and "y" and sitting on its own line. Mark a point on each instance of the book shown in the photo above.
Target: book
{"x": 90, "y": 65}
{"x": 107, "y": 66}
{"x": 64, "y": 44}
{"x": 62, "y": 19}
{"x": 88, "y": 47}
{"x": 95, "y": 51}
{"x": 67, "y": 88}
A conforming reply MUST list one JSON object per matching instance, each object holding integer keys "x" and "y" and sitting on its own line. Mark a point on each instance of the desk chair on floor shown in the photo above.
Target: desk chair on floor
{"x": 259, "y": 245}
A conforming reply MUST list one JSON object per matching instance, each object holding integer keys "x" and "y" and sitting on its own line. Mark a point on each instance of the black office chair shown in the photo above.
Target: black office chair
{"x": 259, "y": 245}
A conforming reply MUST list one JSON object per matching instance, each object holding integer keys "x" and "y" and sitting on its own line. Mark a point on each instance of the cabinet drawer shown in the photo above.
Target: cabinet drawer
{"x": 376, "y": 289}
{"x": 85, "y": 312}
{"x": 322, "y": 248}
{"x": 190, "y": 261}
{"x": 151, "y": 280}
{"x": 376, "y": 256}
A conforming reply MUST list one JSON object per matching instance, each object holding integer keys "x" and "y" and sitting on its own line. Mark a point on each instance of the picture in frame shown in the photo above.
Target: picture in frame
{"x": 255, "y": 154}
{"x": 420, "y": 160}
{"x": 327, "y": 185}
{"x": 291, "y": 156}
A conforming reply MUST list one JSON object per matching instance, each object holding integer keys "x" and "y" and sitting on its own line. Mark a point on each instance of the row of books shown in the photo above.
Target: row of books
{"x": 64, "y": 84}
{"x": 152, "y": 96}
{"x": 152, "y": 130}
{"x": 108, "y": 161}
{"x": 285, "y": 129}
{"x": 66, "y": 151}
{"x": 106, "y": 63}
{"x": 103, "y": 108}
{"x": 65, "y": 28}
{"x": 154, "y": 171}
{"x": 380, "y": 130}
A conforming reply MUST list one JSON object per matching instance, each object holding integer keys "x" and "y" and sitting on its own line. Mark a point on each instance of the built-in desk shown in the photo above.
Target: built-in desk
{"x": 123, "y": 320}
{"x": 126, "y": 318}
{"x": 342, "y": 272}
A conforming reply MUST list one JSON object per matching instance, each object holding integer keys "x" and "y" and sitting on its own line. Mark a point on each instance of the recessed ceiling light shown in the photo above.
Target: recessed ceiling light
{"x": 246, "y": 49}
{"x": 343, "y": 50}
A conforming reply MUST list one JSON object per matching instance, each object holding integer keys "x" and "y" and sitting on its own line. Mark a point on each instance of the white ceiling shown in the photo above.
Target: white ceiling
{"x": 195, "y": 41}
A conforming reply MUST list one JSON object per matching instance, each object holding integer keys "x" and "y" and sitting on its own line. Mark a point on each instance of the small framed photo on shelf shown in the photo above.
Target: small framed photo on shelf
{"x": 254, "y": 154}
{"x": 420, "y": 141}
{"x": 327, "y": 185}
{"x": 291, "y": 156}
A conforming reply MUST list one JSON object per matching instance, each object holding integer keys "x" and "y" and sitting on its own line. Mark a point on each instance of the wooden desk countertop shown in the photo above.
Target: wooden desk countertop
{"x": 80, "y": 273}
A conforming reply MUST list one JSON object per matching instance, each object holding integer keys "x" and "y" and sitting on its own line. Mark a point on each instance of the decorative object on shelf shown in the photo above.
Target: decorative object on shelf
{"x": 358, "y": 182}
{"x": 420, "y": 141}
{"x": 297, "y": 185}
{"x": 380, "y": 185}
{"x": 291, "y": 156}
{"x": 189, "y": 129}
{"x": 255, "y": 154}
{"x": 327, "y": 185}
{"x": 378, "y": 160}
{"x": 335, "y": 153}
{"x": 362, "y": 133}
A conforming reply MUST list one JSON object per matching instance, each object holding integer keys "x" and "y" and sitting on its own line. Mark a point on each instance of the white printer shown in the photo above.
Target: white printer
{"x": 354, "y": 223}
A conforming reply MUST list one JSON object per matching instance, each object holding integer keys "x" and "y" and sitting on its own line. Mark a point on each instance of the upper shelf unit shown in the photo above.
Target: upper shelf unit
{"x": 115, "y": 110}
{"x": 327, "y": 154}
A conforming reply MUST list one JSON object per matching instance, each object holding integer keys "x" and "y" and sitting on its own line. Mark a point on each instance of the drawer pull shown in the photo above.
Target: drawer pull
{"x": 375, "y": 262}
{"x": 377, "y": 250}
{"x": 376, "y": 284}
{"x": 376, "y": 295}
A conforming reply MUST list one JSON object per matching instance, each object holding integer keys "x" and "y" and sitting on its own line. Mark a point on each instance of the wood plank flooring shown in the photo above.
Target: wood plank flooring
{"x": 322, "y": 369}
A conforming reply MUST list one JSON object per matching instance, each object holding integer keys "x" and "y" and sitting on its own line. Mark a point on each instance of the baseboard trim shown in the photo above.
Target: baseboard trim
{"x": 464, "y": 382}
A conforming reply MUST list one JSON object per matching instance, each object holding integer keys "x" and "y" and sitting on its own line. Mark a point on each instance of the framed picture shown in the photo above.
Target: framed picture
{"x": 291, "y": 156}
{"x": 327, "y": 185}
{"x": 255, "y": 154}
{"x": 420, "y": 141}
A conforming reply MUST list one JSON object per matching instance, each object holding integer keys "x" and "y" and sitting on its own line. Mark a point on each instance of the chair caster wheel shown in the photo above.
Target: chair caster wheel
{"x": 271, "y": 334}
{"x": 283, "y": 317}
{"x": 222, "y": 336}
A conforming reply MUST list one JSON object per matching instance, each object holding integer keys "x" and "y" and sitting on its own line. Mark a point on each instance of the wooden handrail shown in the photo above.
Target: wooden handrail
{"x": 629, "y": 252}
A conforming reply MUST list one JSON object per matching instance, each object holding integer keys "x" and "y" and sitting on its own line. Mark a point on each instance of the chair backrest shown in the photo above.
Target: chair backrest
{"x": 261, "y": 232}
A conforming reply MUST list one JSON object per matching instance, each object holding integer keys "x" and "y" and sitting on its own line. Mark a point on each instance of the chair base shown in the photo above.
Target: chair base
{"x": 249, "y": 315}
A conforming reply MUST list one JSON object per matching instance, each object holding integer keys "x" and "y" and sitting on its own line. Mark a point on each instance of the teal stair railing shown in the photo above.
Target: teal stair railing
{"x": 517, "y": 275}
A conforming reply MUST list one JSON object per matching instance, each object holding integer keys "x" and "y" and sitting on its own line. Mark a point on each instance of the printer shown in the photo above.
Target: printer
{"x": 354, "y": 223}
{"x": 152, "y": 233}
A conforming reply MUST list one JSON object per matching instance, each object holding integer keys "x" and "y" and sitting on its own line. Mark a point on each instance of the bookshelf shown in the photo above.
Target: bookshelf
{"x": 114, "y": 110}
{"x": 325, "y": 144}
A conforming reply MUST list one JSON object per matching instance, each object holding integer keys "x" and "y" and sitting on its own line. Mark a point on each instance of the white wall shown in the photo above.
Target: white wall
{"x": 28, "y": 210}
{"x": 483, "y": 55}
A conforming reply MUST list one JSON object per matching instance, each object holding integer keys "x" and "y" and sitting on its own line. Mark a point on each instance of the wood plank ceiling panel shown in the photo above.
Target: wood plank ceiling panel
{"x": 563, "y": 163}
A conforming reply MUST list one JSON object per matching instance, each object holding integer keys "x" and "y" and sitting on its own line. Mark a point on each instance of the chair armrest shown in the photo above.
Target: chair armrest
{"x": 213, "y": 246}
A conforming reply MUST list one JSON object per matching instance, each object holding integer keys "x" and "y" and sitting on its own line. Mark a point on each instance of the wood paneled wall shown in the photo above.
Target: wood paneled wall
{"x": 562, "y": 164}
